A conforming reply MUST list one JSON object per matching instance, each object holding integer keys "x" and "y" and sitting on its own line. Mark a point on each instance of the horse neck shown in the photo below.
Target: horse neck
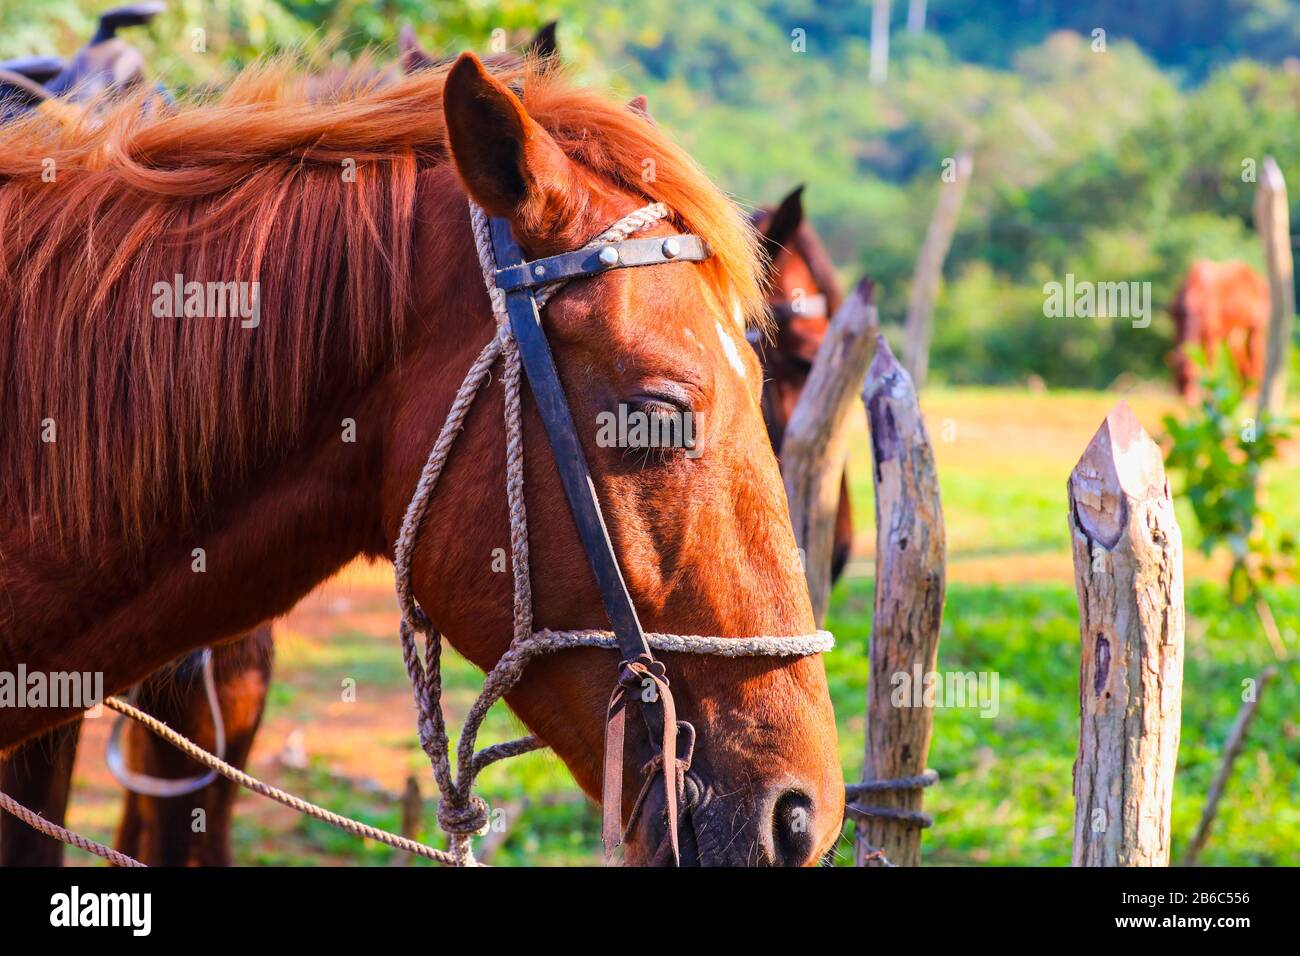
{"x": 259, "y": 538}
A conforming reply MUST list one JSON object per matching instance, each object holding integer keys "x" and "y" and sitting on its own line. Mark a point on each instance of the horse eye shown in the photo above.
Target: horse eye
{"x": 659, "y": 424}
{"x": 659, "y": 405}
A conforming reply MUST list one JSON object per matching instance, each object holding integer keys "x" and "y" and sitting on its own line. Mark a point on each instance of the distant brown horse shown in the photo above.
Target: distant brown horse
{"x": 1220, "y": 303}
{"x": 182, "y": 433}
{"x": 804, "y": 293}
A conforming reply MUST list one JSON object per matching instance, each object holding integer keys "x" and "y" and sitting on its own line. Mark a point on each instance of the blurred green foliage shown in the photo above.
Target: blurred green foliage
{"x": 1122, "y": 164}
{"x": 1221, "y": 453}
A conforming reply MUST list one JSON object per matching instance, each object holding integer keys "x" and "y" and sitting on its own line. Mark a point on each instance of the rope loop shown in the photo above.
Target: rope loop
{"x": 469, "y": 818}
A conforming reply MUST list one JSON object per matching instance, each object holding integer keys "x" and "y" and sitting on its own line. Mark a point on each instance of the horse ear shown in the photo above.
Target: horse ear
{"x": 544, "y": 45}
{"x": 410, "y": 54}
{"x": 783, "y": 224}
{"x": 509, "y": 165}
{"x": 639, "y": 104}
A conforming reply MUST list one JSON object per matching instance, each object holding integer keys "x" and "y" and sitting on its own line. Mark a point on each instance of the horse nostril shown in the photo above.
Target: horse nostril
{"x": 793, "y": 840}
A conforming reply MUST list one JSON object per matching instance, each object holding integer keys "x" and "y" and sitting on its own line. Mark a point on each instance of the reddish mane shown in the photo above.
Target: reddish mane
{"x": 151, "y": 413}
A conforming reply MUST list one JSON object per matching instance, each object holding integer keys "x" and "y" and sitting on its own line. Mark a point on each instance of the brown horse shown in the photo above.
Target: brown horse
{"x": 280, "y": 451}
{"x": 803, "y": 294}
{"x": 159, "y": 831}
{"x": 1220, "y": 303}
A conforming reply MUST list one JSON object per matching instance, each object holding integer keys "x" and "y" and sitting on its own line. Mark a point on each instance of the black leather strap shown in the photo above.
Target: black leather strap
{"x": 539, "y": 365}
{"x": 585, "y": 262}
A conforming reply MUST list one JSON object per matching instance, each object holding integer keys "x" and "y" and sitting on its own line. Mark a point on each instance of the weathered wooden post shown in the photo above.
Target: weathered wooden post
{"x": 879, "y": 68}
{"x": 910, "y": 579}
{"x": 919, "y": 325}
{"x": 1128, "y": 570}
{"x": 412, "y": 810}
{"x": 1273, "y": 222}
{"x": 916, "y": 16}
{"x": 815, "y": 443}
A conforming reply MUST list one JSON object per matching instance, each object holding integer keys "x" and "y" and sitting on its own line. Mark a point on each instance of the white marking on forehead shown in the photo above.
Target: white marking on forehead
{"x": 729, "y": 346}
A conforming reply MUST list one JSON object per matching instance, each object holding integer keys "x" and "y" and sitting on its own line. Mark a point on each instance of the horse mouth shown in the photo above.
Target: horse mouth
{"x": 729, "y": 830}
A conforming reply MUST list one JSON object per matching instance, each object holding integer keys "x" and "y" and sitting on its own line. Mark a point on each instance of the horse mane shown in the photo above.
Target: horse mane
{"x": 245, "y": 185}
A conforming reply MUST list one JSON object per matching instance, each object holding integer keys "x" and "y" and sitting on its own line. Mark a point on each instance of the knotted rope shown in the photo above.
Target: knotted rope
{"x": 461, "y": 814}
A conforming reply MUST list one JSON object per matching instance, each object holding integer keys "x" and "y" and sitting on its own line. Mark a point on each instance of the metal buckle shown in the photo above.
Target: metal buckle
{"x": 593, "y": 260}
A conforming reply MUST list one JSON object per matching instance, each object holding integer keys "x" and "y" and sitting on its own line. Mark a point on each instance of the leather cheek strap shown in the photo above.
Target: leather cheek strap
{"x": 638, "y": 677}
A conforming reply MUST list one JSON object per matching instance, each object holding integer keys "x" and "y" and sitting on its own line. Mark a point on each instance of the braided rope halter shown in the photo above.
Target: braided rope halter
{"x": 461, "y": 813}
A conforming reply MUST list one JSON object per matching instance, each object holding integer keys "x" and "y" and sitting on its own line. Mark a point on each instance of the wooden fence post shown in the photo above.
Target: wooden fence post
{"x": 412, "y": 810}
{"x": 1273, "y": 222}
{"x": 916, "y": 16}
{"x": 879, "y": 68}
{"x": 910, "y": 580}
{"x": 929, "y": 270}
{"x": 1128, "y": 570}
{"x": 815, "y": 443}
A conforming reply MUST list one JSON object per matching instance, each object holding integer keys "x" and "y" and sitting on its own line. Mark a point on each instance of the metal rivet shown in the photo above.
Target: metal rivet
{"x": 672, "y": 248}
{"x": 609, "y": 256}
{"x": 539, "y": 270}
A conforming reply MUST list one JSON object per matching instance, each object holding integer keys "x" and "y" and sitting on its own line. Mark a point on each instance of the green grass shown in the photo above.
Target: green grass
{"x": 1005, "y": 796}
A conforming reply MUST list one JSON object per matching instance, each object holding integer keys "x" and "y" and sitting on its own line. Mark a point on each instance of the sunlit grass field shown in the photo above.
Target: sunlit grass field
{"x": 1005, "y": 797}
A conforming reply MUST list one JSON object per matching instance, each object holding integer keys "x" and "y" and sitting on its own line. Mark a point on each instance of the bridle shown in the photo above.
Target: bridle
{"x": 517, "y": 293}
{"x": 518, "y": 290}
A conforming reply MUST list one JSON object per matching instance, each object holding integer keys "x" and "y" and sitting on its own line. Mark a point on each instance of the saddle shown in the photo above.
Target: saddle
{"x": 106, "y": 62}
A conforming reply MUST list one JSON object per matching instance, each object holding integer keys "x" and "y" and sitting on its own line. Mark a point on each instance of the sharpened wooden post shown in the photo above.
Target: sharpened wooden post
{"x": 816, "y": 441}
{"x": 1128, "y": 570}
{"x": 1273, "y": 223}
{"x": 919, "y": 325}
{"x": 910, "y": 580}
